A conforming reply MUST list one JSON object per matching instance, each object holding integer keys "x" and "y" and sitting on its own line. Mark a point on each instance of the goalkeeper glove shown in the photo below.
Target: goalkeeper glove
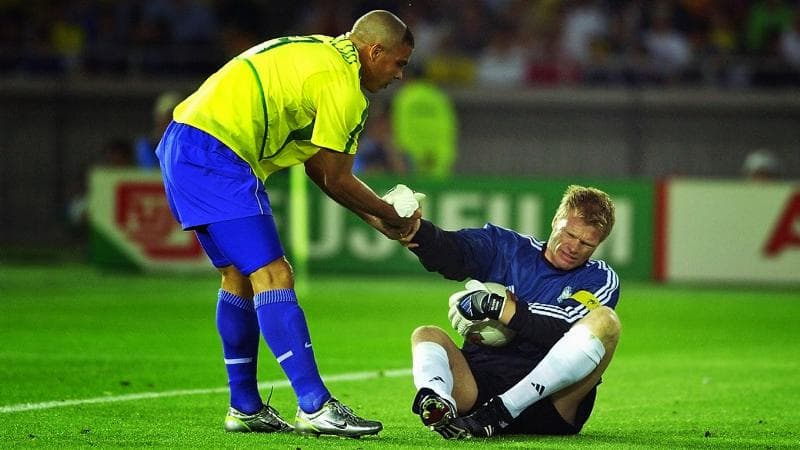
{"x": 456, "y": 313}
{"x": 479, "y": 305}
{"x": 404, "y": 200}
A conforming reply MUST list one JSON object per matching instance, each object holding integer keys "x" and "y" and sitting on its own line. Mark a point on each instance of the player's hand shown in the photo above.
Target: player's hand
{"x": 404, "y": 200}
{"x": 401, "y": 227}
{"x": 404, "y": 230}
{"x": 405, "y": 241}
{"x": 479, "y": 305}
{"x": 385, "y": 229}
{"x": 462, "y": 317}
{"x": 460, "y": 323}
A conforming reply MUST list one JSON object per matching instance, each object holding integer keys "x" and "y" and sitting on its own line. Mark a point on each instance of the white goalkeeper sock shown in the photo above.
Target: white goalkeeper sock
{"x": 570, "y": 360}
{"x": 431, "y": 369}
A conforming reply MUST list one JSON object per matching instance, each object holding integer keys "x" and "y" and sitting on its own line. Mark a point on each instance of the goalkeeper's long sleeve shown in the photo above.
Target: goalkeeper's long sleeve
{"x": 441, "y": 251}
{"x": 538, "y": 328}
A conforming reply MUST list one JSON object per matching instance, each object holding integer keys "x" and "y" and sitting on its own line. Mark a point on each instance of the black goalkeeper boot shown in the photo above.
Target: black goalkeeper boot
{"x": 485, "y": 421}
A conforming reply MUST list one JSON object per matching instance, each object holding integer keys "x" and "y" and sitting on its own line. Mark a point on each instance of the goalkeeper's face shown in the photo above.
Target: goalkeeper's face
{"x": 572, "y": 242}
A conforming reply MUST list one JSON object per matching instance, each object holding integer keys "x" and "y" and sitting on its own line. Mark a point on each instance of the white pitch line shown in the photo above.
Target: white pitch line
{"x": 351, "y": 376}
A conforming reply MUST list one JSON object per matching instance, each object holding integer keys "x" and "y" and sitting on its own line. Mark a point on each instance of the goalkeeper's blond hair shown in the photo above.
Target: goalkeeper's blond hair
{"x": 592, "y": 205}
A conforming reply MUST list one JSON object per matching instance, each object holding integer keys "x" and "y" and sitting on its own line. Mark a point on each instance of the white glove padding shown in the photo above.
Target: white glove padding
{"x": 460, "y": 323}
{"x": 494, "y": 288}
{"x": 404, "y": 200}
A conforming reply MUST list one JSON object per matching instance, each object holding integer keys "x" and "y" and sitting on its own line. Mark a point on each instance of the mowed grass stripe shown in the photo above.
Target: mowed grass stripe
{"x": 353, "y": 376}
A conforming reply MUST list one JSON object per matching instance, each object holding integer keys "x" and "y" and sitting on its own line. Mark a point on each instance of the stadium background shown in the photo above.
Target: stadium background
{"x": 76, "y": 75}
{"x": 574, "y": 90}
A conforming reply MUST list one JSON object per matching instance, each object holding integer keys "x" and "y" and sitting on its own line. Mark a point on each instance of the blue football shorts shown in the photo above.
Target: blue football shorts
{"x": 205, "y": 181}
{"x": 214, "y": 192}
{"x": 248, "y": 244}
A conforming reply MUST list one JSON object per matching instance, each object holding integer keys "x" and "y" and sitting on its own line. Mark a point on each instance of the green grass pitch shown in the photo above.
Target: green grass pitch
{"x": 697, "y": 367}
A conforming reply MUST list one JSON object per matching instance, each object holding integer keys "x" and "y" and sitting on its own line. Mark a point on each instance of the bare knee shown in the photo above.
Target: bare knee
{"x": 275, "y": 275}
{"x": 604, "y": 323}
{"x": 234, "y": 282}
{"x": 430, "y": 333}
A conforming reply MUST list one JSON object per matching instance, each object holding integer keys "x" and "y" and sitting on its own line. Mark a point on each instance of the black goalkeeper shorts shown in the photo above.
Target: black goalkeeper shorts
{"x": 495, "y": 374}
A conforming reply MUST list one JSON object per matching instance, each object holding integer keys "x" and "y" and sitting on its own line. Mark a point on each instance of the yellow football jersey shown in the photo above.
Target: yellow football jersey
{"x": 277, "y": 103}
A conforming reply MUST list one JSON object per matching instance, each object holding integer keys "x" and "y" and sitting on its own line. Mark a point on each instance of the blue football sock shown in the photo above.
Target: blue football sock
{"x": 238, "y": 327}
{"x": 284, "y": 327}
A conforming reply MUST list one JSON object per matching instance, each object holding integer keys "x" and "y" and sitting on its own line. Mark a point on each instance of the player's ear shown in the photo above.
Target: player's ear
{"x": 375, "y": 51}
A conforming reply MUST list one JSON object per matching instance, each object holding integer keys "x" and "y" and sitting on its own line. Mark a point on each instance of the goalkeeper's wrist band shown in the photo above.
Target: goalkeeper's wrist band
{"x": 493, "y": 306}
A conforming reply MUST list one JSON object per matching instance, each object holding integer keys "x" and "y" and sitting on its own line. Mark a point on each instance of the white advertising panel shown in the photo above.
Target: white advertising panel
{"x": 129, "y": 211}
{"x": 731, "y": 231}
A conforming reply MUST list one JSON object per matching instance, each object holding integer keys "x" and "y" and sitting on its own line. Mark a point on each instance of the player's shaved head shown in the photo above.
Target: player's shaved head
{"x": 381, "y": 27}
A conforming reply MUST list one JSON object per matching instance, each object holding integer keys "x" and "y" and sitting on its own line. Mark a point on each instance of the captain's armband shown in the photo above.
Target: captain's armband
{"x": 586, "y": 299}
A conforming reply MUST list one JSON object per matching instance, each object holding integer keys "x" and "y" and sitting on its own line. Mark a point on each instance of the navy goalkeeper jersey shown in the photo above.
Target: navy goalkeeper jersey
{"x": 555, "y": 298}
{"x": 500, "y": 255}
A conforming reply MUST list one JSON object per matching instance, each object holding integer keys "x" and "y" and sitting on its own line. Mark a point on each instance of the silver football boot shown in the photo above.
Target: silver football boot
{"x": 265, "y": 421}
{"x": 335, "y": 419}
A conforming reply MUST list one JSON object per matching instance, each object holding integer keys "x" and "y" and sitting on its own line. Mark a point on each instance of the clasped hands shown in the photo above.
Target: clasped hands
{"x": 406, "y": 204}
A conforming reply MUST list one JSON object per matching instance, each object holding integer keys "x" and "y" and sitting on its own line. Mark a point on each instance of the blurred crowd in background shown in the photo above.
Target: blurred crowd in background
{"x": 509, "y": 43}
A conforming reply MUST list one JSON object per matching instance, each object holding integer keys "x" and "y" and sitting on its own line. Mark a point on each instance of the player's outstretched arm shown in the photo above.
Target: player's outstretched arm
{"x": 333, "y": 172}
{"x": 440, "y": 251}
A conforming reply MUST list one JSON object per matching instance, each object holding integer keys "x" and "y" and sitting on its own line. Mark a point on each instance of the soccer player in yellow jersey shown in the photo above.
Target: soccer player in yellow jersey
{"x": 287, "y": 101}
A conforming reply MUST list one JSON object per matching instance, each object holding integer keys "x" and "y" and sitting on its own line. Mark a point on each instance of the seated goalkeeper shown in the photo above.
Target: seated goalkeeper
{"x": 558, "y": 304}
